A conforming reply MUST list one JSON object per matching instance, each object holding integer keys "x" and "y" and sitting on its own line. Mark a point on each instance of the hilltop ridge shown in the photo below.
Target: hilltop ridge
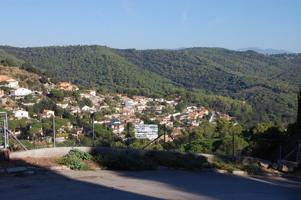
{"x": 267, "y": 82}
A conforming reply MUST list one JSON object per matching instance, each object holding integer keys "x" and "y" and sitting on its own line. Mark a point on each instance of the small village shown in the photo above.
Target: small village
{"x": 32, "y": 112}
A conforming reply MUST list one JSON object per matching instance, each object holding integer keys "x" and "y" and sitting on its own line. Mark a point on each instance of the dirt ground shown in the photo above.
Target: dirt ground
{"x": 46, "y": 163}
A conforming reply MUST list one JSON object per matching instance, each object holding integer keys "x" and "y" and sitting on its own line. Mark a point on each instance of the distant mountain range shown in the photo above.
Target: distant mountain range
{"x": 266, "y": 51}
{"x": 229, "y": 81}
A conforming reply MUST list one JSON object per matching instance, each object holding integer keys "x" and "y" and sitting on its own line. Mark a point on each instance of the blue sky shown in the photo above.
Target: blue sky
{"x": 144, "y": 24}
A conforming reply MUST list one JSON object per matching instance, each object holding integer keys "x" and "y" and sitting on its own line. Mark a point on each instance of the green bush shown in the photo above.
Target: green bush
{"x": 74, "y": 159}
{"x": 80, "y": 154}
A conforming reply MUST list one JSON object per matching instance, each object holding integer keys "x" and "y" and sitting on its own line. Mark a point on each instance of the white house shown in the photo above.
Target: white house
{"x": 20, "y": 114}
{"x": 129, "y": 104}
{"x": 47, "y": 114}
{"x": 91, "y": 92}
{"x": 21, "y": 92}
{"x": 88, "y": 109}
{"x": 117, "y": 126}
{"x": 7, "y": 81}
{"x": 12, "y": 83}
{"x": 60, "y": 139}
{"x": 74, "y": 109}
{"x": 62, "y": 105}
{"x": 1, "y": 93}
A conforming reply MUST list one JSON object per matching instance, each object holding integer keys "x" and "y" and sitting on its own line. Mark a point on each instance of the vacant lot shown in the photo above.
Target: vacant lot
{"x": 158, "y": 184}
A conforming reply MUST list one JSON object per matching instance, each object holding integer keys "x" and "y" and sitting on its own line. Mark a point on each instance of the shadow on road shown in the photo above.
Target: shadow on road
{"x": 164, "y": 183}
{"x": 48, "y": 184}
{"x": 222, "y": 186}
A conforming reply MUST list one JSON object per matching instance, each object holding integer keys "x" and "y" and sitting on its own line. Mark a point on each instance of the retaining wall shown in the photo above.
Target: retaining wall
{"x": 60, "y": 151}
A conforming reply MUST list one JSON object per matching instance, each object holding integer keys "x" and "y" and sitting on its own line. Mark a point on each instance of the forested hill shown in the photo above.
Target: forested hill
{"x": 267, "y": 82}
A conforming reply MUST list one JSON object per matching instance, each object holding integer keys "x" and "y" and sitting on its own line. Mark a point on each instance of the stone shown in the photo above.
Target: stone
{"x": 239, "y": 172}
{"x": 222, "y": 171}
{"x": 264, "y": 164}
{"x": 275, "y": 166}
{"x": 29, "y": 172}
{"x": 2, "y": 171}
{"x": 284, "y": 168}
{"x": 15, "y": 169}
{"x": 63, "y": 167}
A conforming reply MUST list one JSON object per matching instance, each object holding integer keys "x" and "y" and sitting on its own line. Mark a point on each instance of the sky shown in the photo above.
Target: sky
{"x": 152, "y": 24}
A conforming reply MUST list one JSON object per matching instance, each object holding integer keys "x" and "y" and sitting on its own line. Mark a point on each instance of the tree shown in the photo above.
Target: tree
{"x": 17, "y": 124}
{"x": 199, "y": 146}
{"x": 85, "y": 102}
{"x": 35, "y": 129}
{"x": 44, "y": 104}
{"x": 261, "y": 128}
{"x": 56, "y": 95}
{"x": 181, "y": 106}
{"x": 129, "y": 130}
{"x": 226, "y": 146}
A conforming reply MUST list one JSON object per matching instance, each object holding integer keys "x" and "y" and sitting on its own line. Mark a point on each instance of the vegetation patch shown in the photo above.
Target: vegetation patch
{"x": 75, "y": 159}
{"x": 151, "y": 160}
{"x": 228, "y": 165}
{"x": 126, "y": 161}
{"x": 176, "y": 160}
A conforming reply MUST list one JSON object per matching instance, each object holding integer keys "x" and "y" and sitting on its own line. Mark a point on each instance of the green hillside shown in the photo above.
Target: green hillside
{"x": 8, "y": 59}
{"x": 267, "y": 83}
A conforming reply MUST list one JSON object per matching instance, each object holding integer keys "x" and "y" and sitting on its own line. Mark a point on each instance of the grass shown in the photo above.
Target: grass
{"x": 228, "y": 165}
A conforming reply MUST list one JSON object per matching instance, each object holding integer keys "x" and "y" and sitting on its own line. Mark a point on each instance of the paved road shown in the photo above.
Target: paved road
{"x": 161, "y": 184}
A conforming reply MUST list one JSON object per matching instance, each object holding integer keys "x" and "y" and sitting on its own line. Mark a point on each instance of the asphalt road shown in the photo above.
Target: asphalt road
{"x": 161, "y": 184}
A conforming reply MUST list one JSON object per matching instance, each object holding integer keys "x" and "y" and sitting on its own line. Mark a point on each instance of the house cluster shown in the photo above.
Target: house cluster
{"x": 115, "y": 111}
{"x": 191, "y": 116}
{"x": 13, "y": 85}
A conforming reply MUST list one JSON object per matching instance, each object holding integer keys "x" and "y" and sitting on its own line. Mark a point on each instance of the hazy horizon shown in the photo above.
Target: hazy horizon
{"x": 256, "y": 49}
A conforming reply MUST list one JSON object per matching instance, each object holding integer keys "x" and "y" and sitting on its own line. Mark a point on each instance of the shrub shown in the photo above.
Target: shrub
{"x": 177, "y": 160}
{"x": 125, "y": 161}
{"x": 80, "y": 154}
{"x": 151, "y": 160}
{"x": 74, "y": 159}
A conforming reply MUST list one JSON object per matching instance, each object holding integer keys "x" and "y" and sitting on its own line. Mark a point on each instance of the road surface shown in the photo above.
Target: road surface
{"x": 160, "y": 184}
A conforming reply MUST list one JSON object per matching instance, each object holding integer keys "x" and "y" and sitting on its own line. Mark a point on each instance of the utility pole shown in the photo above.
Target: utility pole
{"x": 6, "y": 145}
{"x": 280, "y": 152}
{"x": 164, "y": 134}
{"x": 53, "y": 124}
{"x": 298, "y": 155}
{"x": 3, "y": 120}
{"x": 233, "y": 147}
{"x": 93, "y": 134}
